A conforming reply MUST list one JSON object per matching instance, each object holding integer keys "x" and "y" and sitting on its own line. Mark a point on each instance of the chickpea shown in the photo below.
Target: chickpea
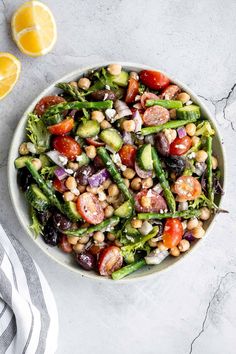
{"x": 195, "y": 140}
{"x": 105, "y": 124}
{"x": 68, "y": 196}
{"x": 114, "y": 69}
{"x": 81, "y": 188}
{"x": 190, "y": 129}
{"x": 147, "y": 182}
{"x": 184, "y": 245}
{"x": 145, "y": 201}
{"x": 73, "y": 166}
{"x": 107, "y": 183}
{"x": 172, "y": 113}
{"x": 109, "y": 211}
{"x": 37, "y": 163}
{"x": 161, "y": 247}
{"x": 92, "y": 190}
{"x": 128, "y": 125}
{"x": 74, "y": 84}
{"x": 136, "y": 184}
{"x": 71, "y": 183}
{"x": 98, "y": 116}
{"x": 170, "y": 134}
{"x": 173, "y": 176}
{"x": 129, "y": 173}
{"x": 183, "y": 97}
{"x": 152, "y": 243}
{"x": 98, "y": 236}
{"x": 104, "y": 204}
{"x": 134, "y": 75}
{"x": 200, "y": 223}
{"x": 214, "y": 162}
{"x": 118, "y": 243}
{"x": 111, "y": 236}
{"x": 84, "y": 83}
{"x": 136, "y": 223}
{"x": 78, "y": 248}
{"x": 83, "y": 240}
{"x": 91, "y": 151}
{"x": 175, "y": 252}
{"x": 201, "y": 156}
{"x": 198, "y": 232}
{"x": 72, "y": 240}
{"x": 23, "y": 149}
{"x": 205, "y": 213}
{"x": 126, "y": 182}
{"x": 192, "y": 223}
{"x": 113, "y": 190}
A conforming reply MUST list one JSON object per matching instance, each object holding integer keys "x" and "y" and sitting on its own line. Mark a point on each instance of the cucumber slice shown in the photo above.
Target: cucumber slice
{"x": 45, "y": 160}
{"x": 20, "y": 161}
{"x": 188, "y": 112}
{"x": 169, "y": 104}
{"x": 36, "y": 198}
{"x": 82, "y": 159}
{"x": 71, "y": 211}
{"x": 144, "y": 157}
{"x": 112, "y": 138}
{"x": 88, "y": 129}
{"x": 121, "y": 79}
{"x": 125, "y": 210}
{"x": 54, "y": 119}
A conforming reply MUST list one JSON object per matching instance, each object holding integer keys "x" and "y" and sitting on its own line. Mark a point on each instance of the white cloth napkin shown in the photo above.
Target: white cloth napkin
{"x": 28, "y": 313}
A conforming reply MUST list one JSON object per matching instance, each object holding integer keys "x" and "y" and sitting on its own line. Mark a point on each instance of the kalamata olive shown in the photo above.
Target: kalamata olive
{"x": 86, "y": 260}
{"x": 97, "y": 162}
{"x": 44, "y": 216}
{"x": 162, "y": 144}
{"x": 60, "y": 222}
{"x": 24, "y": 178}
{"x": 176, "y": 164}
{"x": 65, "y": 245}
{"x": 99, "y": 95}
{"x": 83, "y": 173}
{"x": 50, "y": 234}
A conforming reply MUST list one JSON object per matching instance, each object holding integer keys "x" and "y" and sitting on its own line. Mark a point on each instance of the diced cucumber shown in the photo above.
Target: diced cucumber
{"x": 125, "y": 210}
{"x": 144, "y": 157}
{"x": 188, "y": 112}
{"x": 82, "y": 159}
{"x": 20, "y": 161}
{"x": 36, "y": 198}
{"x": 169, "y": 104}
{"x": 44, "y": 160}
{"x": 54, "y": 119}
{"x": 71, "y": 211}
{"x": 88, "y": 129}
{"x": 112, "y": 138}
{"x": 121, "y": 79}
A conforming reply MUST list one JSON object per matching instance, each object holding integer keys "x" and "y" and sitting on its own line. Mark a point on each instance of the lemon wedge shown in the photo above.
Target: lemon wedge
{"x": 34, "y": 28}
{"x": 9, "y": 73}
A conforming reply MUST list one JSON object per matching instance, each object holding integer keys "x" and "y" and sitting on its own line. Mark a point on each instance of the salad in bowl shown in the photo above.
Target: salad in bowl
{"x": 119, "y": 170}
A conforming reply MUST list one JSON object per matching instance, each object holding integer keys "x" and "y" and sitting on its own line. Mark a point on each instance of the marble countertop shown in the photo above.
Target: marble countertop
{"x": 191, "y": 308}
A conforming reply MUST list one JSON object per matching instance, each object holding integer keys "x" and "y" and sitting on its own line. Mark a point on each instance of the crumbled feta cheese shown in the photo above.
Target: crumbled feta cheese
{"x": 63, "y": 159}
{"x": 116, "y": 158}
{"x": 31, "y": 147}
{"x": 158, "y": 188}
{"x": 184, "y": 224}
{"x": 149, "y": 193}
{"x": 192, "y": 155}
{"x": 101, "y": 196}
{"x": 79, "y": 158}
{"x": 123, "y": 167}
{"x": 110, "y": 113}
{"x": 77, "y": 138}
{"x": 161, "y": 211}
{"x": 107, "y": 87}
{"x": 69, "y": 171}
{"x": 188, "y": 103}
{"x": 137, "y": 98}
{"x": 75, "y": 191}
{"x": 105, "y": 96}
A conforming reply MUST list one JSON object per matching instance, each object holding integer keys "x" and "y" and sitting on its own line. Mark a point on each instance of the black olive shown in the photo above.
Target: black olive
{"x": 162, "y": 144}
{"x": 83, "y": 173}
{"x": 60, "y": 222}
{"x": 176, "y": 164}
{"x": 100, "y": 95}
{"x": 24, "y": 178}
{"x": 44, "y": 216}
{"x": 86, "y": 260}
{"x": 50, "y": 234}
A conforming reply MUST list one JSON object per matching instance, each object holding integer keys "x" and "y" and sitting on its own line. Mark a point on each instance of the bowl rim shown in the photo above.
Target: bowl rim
{"x": 10, "y": 167}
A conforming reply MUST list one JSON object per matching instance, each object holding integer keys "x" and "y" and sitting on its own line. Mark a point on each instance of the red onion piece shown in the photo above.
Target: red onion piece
{"x": 189, "y": 236}
{"x": 98, "y": 178}
{"x": 56, "y": 157}
{"x": 181, "y": 132}
{"x": 122, "y": 109}
{"x": 127, "y": 138}
{"x": 141, "y": 173}
{"x": 60, "y": 173}
{"x": 138, "y": 121}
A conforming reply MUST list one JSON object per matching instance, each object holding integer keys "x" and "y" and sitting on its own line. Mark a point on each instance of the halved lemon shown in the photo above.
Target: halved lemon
{"x": 9, "y": 73}
{"x": 34, "y": 28}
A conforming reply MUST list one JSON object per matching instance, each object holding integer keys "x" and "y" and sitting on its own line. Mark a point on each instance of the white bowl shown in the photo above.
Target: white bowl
{"x": 21, "y": 207}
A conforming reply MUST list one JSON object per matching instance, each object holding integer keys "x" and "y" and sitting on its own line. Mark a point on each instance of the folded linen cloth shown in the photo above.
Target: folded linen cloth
{"x": 28, "y": 313}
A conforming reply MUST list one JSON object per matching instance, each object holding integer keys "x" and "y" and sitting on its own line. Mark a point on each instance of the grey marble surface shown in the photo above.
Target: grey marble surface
{"x": 191, "y": 308}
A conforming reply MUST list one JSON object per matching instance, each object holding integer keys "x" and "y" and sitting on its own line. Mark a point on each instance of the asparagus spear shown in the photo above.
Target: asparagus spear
{"x": 171, "y": 124}
{"x": 186, "y": 214}
{"x": 88, "y": 230}
{"x": 209, "y": 169}
{"x": 169, "y": 104}
{"x": 114, "y": 173}
{"x": 163, "y": 181}
{"x": 124, "y": 271}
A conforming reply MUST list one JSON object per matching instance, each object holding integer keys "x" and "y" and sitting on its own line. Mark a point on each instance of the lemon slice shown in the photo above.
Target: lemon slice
{"x": 34, "y": 28}
{"x": 9, "y": 73}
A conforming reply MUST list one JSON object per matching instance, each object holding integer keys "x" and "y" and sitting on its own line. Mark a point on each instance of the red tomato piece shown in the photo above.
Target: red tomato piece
{"x": 170, "y": 92}
{"x": 157, "y": 202}
{"x": 94, "y": 142}
{"x": 65, "y": 245}
{"x": 63, "y": 127}
{"x": 180, "y": 145}
{"x": 148, "y": 96}
{"x": 128, "y": 154}
{"x": 154, "y": 79}
{"x": 67, "y": 146}
{"x": 173, "y": 233}
{"x": 132, "y": 91}
{"x": 187, "y": 188}
{"x": 156, "y": 115}
{"x": 90, "y": 208}
{"x": 96, "y": 249}
{"x": 110, "y": 260}
{"x": 47, "y": 102}
{"x": 59, "y": 186}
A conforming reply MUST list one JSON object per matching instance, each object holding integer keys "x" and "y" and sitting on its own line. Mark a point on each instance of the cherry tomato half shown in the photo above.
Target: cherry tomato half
{"x": 157, "y": 202}
{"x": 63, "y": 127}
{"x": 132, "y": 91}
{"x": 110, "y": 259}
{"x": 180, "y": 145}
{"x": 154, "y": 79}
{"x": 67, "y": 146}
{"x": 173, "y": 233}
{"x": 187, "y": 188}
{"x": 128, "y": 154}
{"x": 90, "y": 208}
{"x": 47, "y": 102}
{"x": 65, "y": 245}
{"x": 59, "y": 186}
